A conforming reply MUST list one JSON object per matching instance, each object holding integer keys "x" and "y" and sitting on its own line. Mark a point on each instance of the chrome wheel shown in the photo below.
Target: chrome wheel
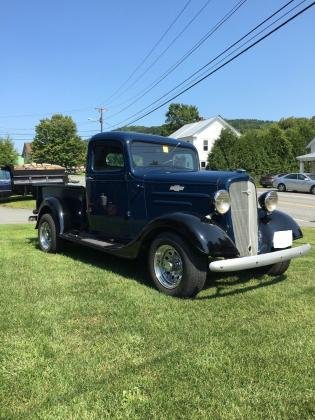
{"x": 45, "y": 236}
{"x": 168, "y": 266}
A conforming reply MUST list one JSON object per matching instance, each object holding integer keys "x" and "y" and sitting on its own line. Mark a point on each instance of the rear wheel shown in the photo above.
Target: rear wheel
{"x": 174, "y": 268}
{"x": 47, "y": 234}
{"x": 281, "y": 188}
{"x": 313, "y": 189}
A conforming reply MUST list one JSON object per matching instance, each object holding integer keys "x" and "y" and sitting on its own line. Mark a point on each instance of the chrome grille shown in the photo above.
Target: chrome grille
{"x": 244, "y": 217}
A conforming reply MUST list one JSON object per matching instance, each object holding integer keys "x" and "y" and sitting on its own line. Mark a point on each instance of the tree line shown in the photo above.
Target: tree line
{"x": 264, "y": 146}
{"x": 270, "y": 149}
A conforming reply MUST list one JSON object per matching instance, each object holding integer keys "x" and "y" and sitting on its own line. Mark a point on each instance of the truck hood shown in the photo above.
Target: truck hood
{"x": 217, "y": 179}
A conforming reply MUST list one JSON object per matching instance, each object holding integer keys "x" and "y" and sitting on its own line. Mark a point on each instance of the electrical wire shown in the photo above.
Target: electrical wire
{"x": 170, "y": 70}
{"x": 225, "y": 63}
{"x": 164, "y": 51}
{"x": 150, "y": 52}
{"x": 223, "y": 52}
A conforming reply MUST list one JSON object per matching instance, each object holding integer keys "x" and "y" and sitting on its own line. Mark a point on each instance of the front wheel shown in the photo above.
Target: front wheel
{"x": 47, "y": 234}
{"x": 313, "y": 189}
{"x": 281, "y": 187}
{"x": 174, "y": 268}
{"x": 276, "y": 269}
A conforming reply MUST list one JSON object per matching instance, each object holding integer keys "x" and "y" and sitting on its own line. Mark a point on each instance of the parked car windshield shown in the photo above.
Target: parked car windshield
{"x": 145, "y": 155}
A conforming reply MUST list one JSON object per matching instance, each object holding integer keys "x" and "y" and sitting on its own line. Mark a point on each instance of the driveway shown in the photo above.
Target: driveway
{"x": 9, "y": 216}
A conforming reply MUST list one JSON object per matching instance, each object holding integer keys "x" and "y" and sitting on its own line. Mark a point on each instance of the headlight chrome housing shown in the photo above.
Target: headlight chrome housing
{"x": 222, "y": 201}
{"x": 269, "y": 201}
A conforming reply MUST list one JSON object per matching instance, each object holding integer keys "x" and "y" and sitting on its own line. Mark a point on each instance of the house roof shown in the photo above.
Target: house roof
{"x": 190, "y": 130}
{"x": 307, "y": 158}
{"x": 27, "y": 149}
{"x": 310, "y": 143}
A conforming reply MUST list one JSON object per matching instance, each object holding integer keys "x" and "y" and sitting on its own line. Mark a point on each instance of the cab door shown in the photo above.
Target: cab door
{"x": 107, "y": 191}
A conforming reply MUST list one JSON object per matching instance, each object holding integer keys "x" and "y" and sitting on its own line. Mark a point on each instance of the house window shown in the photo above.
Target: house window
{"x": 205, "y": 145}
{"x": 203, "y": 164}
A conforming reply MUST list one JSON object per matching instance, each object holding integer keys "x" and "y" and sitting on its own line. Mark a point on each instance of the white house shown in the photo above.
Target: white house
{"x": 310, "y": 157}
{"x": 203, "y": 134}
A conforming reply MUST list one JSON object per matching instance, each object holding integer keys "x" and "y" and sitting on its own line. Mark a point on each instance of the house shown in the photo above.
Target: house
{"x": 27, "y": 152}
{"x": 203, "y": 134}
{"x": 310, "y": 157}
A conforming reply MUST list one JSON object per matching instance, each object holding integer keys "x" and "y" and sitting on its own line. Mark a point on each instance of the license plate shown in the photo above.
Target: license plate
{"x": 282, "y": 239}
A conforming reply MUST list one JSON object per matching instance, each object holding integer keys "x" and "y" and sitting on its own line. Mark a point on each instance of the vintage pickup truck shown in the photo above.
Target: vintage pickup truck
{"x": 146, "y": 197}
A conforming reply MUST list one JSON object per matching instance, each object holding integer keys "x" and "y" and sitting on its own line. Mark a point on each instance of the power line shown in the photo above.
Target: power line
{"x": 151, "y": 50}
{"x": 142, "y": 93}
{"x": 222, "y": 53}
{"x": 225, "y": 63}
{"x": 167, "y": 48}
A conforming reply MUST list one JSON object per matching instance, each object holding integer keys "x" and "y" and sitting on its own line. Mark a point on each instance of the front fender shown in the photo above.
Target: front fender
{"x": 58, "y": 210}
{"x": 204, "y": 237}
{"x": 273, "y": 222}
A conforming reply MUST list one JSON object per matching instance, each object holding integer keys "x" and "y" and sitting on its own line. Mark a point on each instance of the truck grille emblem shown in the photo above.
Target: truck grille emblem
{"x": 176, "y": 188}
{"x": 247, "y": 192}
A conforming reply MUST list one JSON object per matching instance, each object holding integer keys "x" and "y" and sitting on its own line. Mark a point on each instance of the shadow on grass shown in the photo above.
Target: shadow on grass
{"x": 131, "y": 269}
{"x": 136, "y": 270}
{"x": 222, "y": 283}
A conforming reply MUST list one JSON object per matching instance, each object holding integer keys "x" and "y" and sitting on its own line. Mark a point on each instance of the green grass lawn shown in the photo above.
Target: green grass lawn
{"x": 84, "y": 335}
{"x": 18, "y": 202}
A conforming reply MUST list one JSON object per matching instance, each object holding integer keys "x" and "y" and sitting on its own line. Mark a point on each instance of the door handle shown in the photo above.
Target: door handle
{"x": 89, "y": 178}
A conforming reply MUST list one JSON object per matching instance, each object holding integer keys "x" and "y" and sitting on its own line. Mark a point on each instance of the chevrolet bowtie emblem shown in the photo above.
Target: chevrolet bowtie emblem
{"x": 246, "y": 192}
{"x": 176, "y": 188}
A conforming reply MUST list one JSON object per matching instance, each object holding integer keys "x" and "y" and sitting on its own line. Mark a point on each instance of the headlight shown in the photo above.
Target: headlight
{"x": 269, "y": 201}
{"x": 222, "y": 201}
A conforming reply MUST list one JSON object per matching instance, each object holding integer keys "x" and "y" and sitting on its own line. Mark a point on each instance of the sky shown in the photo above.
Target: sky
{"x": 70, "y": 56}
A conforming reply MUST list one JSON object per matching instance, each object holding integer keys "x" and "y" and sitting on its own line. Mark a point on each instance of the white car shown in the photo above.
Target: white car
{"x": 295, "y": 182}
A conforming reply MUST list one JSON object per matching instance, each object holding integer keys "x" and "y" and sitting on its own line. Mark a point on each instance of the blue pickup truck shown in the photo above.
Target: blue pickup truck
{"x": 146, "y": 197}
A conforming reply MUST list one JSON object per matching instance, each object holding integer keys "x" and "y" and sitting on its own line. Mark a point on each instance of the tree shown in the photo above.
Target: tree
{"x": 8, "y": 154}
{"x": 179, "y": 115}
{"x": 223, "y": 154}
{"x": 56, "y": 142}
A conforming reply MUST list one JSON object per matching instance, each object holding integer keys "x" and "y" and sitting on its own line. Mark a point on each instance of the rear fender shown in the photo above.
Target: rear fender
{"x": 58, "y": 210}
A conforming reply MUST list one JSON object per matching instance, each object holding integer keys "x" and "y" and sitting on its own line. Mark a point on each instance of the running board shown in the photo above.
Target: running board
{"x": 91, "y": 241}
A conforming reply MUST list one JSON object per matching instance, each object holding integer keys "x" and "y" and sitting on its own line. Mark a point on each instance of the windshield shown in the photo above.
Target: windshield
{"x": 155, "y": 155}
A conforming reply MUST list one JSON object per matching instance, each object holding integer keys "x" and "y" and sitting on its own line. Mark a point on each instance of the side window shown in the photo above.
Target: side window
{"x": 301, "y": 177}
{"x": 108, "y": 156}
{"x": 203, "y": 164}
{"x": 4, "y": 175}
{"x": 290, "y": 176}
{"x": 205, "y": 145}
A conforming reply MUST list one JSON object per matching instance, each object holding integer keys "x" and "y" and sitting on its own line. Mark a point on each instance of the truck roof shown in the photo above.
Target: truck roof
{"x": 130, "y": 135}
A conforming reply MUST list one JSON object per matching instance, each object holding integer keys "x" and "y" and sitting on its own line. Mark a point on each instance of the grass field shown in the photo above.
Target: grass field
{"x": 84, "y": 335}
{"x": 18, "y": 202}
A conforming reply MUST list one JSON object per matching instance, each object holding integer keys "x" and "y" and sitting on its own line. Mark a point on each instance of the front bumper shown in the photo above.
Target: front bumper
{"x": 255, "y": 261}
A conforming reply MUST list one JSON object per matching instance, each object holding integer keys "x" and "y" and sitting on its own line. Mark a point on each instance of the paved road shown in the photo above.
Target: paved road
{"x": 300, "y": 206}
{"x": 8, "y": 216}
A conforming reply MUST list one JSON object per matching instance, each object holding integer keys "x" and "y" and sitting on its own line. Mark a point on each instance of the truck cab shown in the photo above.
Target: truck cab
{"x": 146, "y": 197}
{"x": 5, "y": 182}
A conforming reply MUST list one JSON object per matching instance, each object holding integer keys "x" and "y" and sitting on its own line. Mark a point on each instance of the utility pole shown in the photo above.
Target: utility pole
{"x": 101, "y": 110}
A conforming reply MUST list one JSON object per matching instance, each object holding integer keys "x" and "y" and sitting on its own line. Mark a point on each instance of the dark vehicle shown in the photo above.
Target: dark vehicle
{"x": 295, "y": 182}
{"x": 267, "y": 180}
{"x": 146, "y": 197}
{"x": 21, "y": 180}
{"x": 5, "y": 182}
